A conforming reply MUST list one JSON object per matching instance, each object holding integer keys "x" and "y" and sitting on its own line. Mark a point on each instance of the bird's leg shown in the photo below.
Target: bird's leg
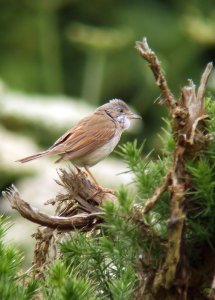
{"x": 77, "y": 169}
{"x": 91, "y": 175}
{"x": 99, "y": 188}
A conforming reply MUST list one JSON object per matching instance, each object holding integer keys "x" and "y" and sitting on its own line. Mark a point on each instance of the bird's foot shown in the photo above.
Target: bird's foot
{"x": 105, "y": 190}
{"x": 101, "y": 190}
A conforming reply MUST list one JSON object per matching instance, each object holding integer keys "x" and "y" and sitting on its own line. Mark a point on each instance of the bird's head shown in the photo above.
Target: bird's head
{"x": 119, "y": 111}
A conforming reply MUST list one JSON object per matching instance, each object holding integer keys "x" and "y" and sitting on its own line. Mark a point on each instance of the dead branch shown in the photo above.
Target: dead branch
{"x": 186, "y": 114}
{"x": 77, "y": 208}
{"x": 145, "y": 51}
{"x": 79, "y": 221}
{"x": 43, "y": 238}
{"x": 156, "y": 195}
{"x": 80, "y": 194}
{"x": 203, "y": 83}
{"x": 193, "y": 101}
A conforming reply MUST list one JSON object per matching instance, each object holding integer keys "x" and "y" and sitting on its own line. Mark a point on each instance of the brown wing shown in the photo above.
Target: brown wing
{"x": 85, "y": 137}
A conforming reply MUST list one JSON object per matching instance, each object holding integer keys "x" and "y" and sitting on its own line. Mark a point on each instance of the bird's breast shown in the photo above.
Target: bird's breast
{"x": 99, "y": 154}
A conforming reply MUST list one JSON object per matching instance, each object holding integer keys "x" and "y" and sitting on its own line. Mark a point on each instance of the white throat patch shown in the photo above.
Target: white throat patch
{"x": 124, "y": 121}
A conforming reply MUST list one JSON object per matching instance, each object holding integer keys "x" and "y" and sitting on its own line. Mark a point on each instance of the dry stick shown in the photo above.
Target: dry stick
{"x": 199, "y": 101}
{"x": 203, "y": 82}
{"x": 80, "y": 221}
{"x": 43, "y": 238}
{"x": 175, "y": 182}
{"x": 157, "y": 193}
{"x": 151, "y": 58}
{"x": 193, "y": 131}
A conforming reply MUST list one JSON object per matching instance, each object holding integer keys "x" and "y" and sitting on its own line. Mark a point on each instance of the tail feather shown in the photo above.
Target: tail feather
{"x": 32, "y": 157}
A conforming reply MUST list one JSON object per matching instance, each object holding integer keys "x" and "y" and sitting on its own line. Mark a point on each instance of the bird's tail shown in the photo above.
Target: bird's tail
{"x": 32, "y": 157}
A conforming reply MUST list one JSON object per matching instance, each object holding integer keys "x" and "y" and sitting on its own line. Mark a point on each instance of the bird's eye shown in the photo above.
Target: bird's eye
{"x": 121, "y": 110}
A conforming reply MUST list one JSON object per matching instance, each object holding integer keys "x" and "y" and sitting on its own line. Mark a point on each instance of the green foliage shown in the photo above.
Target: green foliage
{"x": 210, "y": 108}
{"x": 11, "y": 285}
{"x": 202, "y": 173}
{"x": 107, "y": 257}
{"x": 148, "y": 173}
{"x": 63, "y": 284}
{"x": 167, "y": 140}
{"x": 106, "y": 263}
{"x": 201, "y": 206}
{"x": 111, "y": 256}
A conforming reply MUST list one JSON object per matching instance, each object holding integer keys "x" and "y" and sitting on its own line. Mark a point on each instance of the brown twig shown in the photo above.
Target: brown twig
{"x": 43, "y": 238}
{"x": 145, "y": 51}
{"x": 156, "y": 195}
{"x": 203, "y": 83}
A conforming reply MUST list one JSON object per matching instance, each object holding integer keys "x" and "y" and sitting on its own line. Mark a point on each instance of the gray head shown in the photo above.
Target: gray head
{"x": 119, "y": 111}
{"x": 116, "y": 108}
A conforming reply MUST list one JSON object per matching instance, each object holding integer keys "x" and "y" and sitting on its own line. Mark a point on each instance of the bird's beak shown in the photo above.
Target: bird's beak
{"x": 131, "y": 115}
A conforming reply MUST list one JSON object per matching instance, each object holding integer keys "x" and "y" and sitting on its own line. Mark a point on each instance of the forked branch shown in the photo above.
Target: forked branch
{"x": 186, "y": 114}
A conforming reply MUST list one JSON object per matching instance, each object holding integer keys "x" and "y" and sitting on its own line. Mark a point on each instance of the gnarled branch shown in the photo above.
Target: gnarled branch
{"x": 78, "y": 208}
{"x": 81, "y": 221}
{"x": 186, "y": 114}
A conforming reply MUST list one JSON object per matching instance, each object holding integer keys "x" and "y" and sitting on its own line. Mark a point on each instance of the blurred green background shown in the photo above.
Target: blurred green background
{"x": 59, "y": 59}
{"x": 85, "y": 50}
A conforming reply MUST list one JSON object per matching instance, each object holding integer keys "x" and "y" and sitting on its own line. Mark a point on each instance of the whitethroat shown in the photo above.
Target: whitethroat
{"x": 93, "y": 138}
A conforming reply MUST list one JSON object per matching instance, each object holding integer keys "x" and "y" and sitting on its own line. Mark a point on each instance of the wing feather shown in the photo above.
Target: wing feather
{"x": 85, "y": 137}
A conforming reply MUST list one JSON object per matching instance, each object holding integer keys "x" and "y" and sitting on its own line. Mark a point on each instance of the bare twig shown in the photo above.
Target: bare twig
{"x": 151, "y": 58}
{"x": 193, "y": 101}
{"x": 203, "y": 83}
{"x": 190, "y": 140}
{"x": 156, "y": 195}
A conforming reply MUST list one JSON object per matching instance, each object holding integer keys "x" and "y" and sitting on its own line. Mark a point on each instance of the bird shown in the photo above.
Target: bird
{"x": 93, "y": 138}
